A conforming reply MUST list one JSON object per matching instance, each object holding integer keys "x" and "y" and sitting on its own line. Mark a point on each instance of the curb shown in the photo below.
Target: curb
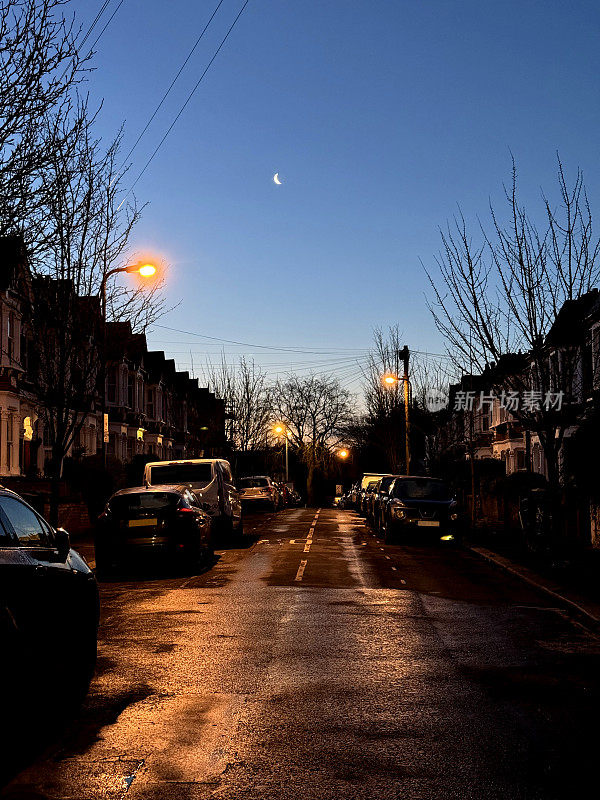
{"x": 533, "y": 579}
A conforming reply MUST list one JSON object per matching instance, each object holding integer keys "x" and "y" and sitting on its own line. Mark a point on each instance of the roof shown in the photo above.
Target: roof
{"x": 185, "y": 461}
{"x": 571, "y": 323}
{"x": 171, "y": 487}
{"x": 13, "y": 261}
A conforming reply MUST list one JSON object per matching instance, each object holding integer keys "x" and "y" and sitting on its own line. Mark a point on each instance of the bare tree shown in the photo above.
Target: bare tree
{"x": 500, "y": 294}
{"x": 86, "y": 230}
{"x": 39, "y": 68}
{"x": 315, "y": 411}
{"x": 247, "y": 400}
{"x": 384, "y": 423}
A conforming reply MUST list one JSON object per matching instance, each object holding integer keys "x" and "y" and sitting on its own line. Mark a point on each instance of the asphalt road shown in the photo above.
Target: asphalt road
{"x": 315, "y": 662}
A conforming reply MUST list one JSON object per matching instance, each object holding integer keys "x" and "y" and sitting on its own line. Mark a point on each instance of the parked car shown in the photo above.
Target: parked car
{"x": 365, "y": 496}
{"x": 166, "y": 521}
{"x": 371, "y": 499}
{"x": 368, "y": 478}
{"x": 354, "y": 496}
{"x": 295, "y": 498}
{"x": 380, "y": 501}
{"x": 421, "y": 508}
{"x": 48, "y": 608}
{"x": 259, "y": 491}
{"x": 285, "y": 495}
{"x": 212, "y": 482}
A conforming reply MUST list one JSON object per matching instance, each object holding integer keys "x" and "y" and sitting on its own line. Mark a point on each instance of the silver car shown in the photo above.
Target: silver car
{"x": 212, "y": 483}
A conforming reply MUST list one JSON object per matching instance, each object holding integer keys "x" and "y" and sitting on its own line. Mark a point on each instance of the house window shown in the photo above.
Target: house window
{"x": 9, "y": 442}
{"x": 150, "y": 403}
{"x": 10, "y": 335}
{"x": 130, "y": 391}
{"x": 23, "y": 354}
{"x": 111, "y": 385}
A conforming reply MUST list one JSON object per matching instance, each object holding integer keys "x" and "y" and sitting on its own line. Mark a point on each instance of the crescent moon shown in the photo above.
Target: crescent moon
{"x": 276, "y": 179}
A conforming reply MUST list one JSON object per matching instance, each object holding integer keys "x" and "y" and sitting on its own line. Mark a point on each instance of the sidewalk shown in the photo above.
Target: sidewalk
{"x": 574, "y": 583}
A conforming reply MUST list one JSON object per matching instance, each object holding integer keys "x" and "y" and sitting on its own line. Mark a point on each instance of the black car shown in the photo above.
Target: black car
{"x": 380, "y": 500}
{"x": 165, "y": 520}
{"x": 420, "y": 508}
{"x": 48, "y": 608}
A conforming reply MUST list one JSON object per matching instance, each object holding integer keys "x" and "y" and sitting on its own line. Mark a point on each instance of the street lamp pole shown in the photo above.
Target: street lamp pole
{"x": 146, "y": 270}
{"x": 282, "y": 431}
{"x": 404, "y": 355}
{"x": 392, "y": 380}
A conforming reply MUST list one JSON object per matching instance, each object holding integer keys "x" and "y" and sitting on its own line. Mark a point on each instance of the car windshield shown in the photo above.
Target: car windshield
{"x": 386, "y": 483}
{"x": 253, "y": 483}
{"x": 421, "y": 489}
{"x": 171, "y": 474}
{"x": 143, "y": 503}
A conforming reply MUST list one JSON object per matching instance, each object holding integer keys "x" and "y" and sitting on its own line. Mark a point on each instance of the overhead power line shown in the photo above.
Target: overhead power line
{"x": 174, "y": 81}
{"x": 110, "y": 19}
{"x": 94, "y": 22}
{"x": 189, "y": 97}
{"x": 248, "y": 344}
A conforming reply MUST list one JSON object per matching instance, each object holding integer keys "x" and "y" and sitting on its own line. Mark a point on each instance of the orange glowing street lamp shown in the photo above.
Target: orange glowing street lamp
{"x": 146, "y": 270}
{"x": 343, "y": 454}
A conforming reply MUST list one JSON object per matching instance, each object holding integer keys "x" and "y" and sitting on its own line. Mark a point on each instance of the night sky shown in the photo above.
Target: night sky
{"x": 380, "y": 118}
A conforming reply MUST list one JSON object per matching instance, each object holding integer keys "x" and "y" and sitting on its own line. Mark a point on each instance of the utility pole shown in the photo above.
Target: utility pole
{"x": 404, "y": 355}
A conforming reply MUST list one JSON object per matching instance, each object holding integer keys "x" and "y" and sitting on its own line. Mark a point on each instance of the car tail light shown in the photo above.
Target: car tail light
{"x": 184, "y": 510}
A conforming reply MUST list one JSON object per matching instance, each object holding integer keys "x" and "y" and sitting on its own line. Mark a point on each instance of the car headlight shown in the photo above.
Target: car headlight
{"x": 453, "y": 516}
{"x": 398, "y": 512}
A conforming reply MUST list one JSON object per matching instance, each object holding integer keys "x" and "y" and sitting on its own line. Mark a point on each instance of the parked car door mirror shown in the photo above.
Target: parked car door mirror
{"x": 62, "y": 541}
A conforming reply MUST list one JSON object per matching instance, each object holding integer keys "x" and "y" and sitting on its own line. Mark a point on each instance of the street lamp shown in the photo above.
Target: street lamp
{"x": 281, "y": 430}
{"x": 146, "y": 269}
{"x": 343, "y": 454}
{"x": 391, "y": 380}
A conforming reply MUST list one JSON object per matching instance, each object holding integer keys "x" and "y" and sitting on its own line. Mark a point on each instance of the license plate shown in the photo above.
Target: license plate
{"x": 142, "y": 523}
{"x": 428, "y": 523}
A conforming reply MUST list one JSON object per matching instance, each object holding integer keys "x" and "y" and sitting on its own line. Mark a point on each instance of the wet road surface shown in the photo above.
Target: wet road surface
{"x": 313, "y": 661}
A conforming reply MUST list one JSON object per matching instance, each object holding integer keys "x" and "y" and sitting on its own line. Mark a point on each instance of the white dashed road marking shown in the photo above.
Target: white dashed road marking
{"x": 301, "y": 569}
{"x": 309, "y": 538}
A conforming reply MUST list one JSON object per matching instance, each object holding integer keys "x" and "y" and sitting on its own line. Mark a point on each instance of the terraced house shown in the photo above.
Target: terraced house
{"x": 153, "y": 409}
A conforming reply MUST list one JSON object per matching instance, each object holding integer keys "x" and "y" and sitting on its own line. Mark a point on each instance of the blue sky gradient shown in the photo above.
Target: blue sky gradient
{"x": 380, "y": 116}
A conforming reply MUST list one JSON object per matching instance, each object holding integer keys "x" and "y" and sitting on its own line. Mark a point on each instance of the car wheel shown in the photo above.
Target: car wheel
{"x": 208, "y": 553}
{"x": 75, "y": 678}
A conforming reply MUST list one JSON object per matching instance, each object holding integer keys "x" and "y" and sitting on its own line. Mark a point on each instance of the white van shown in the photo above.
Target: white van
{"x": 212, "y": 482}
